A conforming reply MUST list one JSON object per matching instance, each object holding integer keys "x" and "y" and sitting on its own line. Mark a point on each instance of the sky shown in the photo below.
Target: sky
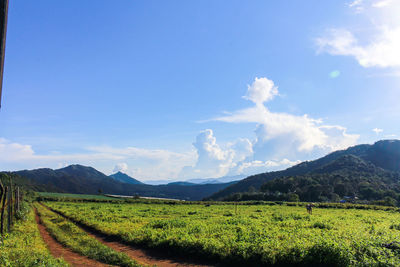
{"x": 196, "y": 89}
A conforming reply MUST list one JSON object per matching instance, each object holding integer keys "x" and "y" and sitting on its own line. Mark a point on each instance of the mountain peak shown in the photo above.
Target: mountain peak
{"x": 124, "y": 178}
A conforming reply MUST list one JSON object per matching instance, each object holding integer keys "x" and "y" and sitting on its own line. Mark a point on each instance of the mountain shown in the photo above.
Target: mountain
{"x": 347, "y": 176}
{"x": 124, "y": 178}
{"x": 181, "y": 183}
{"x": 80, "y": 179}
{"x": 384, "y": 155}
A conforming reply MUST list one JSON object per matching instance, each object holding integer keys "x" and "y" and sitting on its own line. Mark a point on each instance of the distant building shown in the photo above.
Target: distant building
{"x": 348, "y": 199}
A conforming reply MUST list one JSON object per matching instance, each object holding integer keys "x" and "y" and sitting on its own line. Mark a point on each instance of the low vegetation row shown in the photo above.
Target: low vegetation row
{"x": 71, "y": 236}
{"x": 249, "y": 234}
{"x": 24, "y": 245}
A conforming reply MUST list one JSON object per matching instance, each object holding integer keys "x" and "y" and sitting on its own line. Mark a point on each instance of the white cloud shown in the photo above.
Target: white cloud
{"x": 121, "y": 167}
{"x": 212, "y": 159}
{"x": 382, "y": 51}
{"x": 281, "y": 139}
{"x": 261, "y": 90}
{"x": 291, "y": 132}
{"x": 377, "y": 44}
{"x": 258, "y": 166}
{"x": 355, "y": 3}
{"x": 280, "y": 135}
{"x": 377, "y": 130}
{"x": 13, "y": 151}
{"x": 154, "y": 164}
{"x": 382, "y": 3}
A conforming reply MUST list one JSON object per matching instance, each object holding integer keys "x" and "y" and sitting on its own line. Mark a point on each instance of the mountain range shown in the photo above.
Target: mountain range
{"x": 80, "y": 179}
{"x": 370, "y": 172}
{"x": 377, "y": 165}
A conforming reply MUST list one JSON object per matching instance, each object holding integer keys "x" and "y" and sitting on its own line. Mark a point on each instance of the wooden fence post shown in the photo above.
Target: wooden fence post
{"x": 17, "y": 198}
{"x": 10, "y": 209}
{"x": 1, "y": 198}
{"x": 3, "y": 207}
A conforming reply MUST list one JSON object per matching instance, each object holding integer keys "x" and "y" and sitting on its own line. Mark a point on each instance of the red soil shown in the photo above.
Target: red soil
{"x": 59, "y": 251}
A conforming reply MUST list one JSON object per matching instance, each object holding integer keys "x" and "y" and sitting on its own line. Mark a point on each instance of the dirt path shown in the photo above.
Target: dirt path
{"x": 142, "y": 256}
{"x": 59, "y": 251}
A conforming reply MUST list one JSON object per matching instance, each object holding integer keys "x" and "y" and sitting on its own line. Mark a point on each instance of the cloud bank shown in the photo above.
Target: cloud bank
{"x": 281, "y": 139}
{"x": 377, "y": 45}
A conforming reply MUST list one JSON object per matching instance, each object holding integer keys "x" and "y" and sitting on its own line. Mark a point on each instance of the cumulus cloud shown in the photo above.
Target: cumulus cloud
{"x": 261, "y": 90}
{"x": 376, "y": 46}
{"x": 377, "y": 130}
{"x": 259, "y": 166}
{"x": 121, "y": 167}
{"x": 281, "y": 139}
{"x": 382, "y": 51}
{"x": 10, "y": 151}
{"x": 281, "y": 134}
{"x": 214, "y": 160}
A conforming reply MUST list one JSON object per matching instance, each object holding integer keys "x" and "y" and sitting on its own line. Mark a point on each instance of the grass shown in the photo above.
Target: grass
{"x": 70, "y": 235}
{"x": 250, "y": 234}
{"x": 25, "y": 247}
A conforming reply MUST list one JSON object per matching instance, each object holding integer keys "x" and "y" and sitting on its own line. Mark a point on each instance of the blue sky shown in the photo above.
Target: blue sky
{"x": 186, "y": 89}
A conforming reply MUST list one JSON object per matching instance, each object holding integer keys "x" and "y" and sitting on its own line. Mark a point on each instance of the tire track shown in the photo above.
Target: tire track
{"x": 59, "y": 251}
{"x": 142, "y": 256}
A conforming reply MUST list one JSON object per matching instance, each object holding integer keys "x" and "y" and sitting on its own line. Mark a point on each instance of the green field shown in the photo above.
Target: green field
{"x": 250, "y": 234}
{"x": 73, "y": 196}
{"x": 24, "y": 246}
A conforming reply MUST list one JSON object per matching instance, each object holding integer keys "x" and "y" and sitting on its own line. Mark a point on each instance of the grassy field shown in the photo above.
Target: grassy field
{"x": 250, "y": 234}
{"x": 25, "y": 247}
{"x": 73, "y": 196}
{"x": 71, "y": 236}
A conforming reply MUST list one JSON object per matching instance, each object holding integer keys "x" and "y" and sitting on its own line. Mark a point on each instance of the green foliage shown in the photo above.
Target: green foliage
{"x": 24, "y": 246}
{"x": 70, "y": 235}
{"x": 345, "y": 178}
{"x": 269, "y": 233}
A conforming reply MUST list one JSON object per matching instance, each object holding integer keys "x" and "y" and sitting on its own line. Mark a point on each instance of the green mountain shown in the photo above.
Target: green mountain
{"x": 377, "y": 164}
{"x": 124, "y": 178}
{"x": 87, "y": 180}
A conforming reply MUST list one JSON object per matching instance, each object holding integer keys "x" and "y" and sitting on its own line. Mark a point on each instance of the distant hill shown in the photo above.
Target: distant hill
{"x": 181, "y": 183}
{"x": 378, "y": 162}
{"x": 124, "y": 178}
{"x": 224, "y": 179}
{"x": 80, "y": 179}
{"x": 220, "y": 180}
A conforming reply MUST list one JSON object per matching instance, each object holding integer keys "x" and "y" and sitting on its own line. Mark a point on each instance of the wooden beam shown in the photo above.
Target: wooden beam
{"x": 3, "y": 31}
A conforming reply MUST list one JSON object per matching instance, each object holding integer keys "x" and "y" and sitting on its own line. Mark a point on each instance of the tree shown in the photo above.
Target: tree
{"x": 292, "y": 197}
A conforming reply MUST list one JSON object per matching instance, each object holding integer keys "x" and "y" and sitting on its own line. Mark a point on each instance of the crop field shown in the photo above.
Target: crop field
{"x": 73, "y": 196}
{"x": 24, "y": 246}
{"x": 249, "y": 234}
